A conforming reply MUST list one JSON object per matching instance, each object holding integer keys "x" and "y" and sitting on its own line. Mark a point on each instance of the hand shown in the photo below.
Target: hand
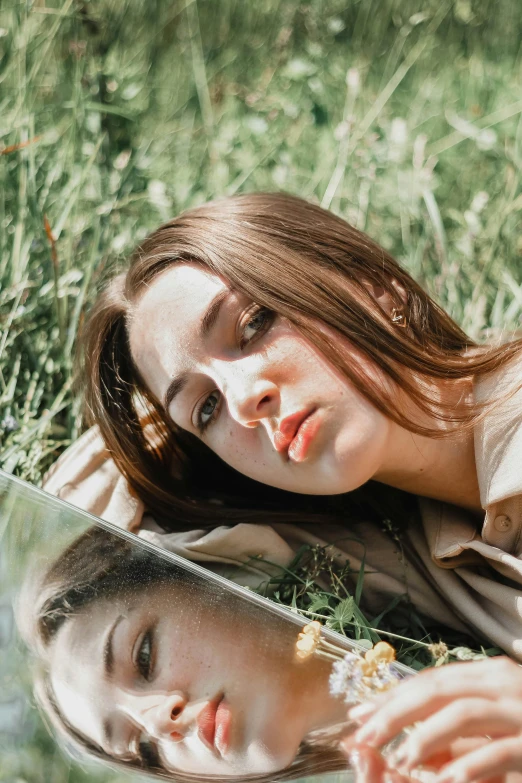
{"x": 368, "y": 764}
{"x": 479, "y": 700}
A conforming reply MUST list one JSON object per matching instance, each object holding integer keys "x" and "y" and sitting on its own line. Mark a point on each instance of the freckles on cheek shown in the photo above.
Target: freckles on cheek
{"x": 303, "y": 362}
{"x": 244, "y": 457}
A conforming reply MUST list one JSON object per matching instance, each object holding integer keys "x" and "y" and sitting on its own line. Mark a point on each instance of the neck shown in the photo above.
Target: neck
{"x": 439, "y": 468}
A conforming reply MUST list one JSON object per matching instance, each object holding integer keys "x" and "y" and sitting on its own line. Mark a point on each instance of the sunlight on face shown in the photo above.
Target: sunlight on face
{"x": 252, "y": 388}
{"x": 213, "y": 690}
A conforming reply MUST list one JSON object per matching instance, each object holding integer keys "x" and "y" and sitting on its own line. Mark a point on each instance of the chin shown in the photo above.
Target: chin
{"x": 273, "y": 751}
{"x": 331, "y": 479}
{"x": 263, "y": 762}
{"x": 339, "y": 470}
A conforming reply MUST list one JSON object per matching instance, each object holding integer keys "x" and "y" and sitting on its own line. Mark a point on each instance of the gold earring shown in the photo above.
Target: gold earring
{"x": 398, "y": 318}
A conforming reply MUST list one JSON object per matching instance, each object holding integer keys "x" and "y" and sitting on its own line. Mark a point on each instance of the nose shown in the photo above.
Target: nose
{"x": 250, "y": 398}
{"x": 166, "y": 717}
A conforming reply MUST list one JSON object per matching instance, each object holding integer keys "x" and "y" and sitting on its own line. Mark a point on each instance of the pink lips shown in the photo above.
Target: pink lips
{"x": 213, "y": 724}
{"x": 223, "y": 721}
{"x": 296, "y": 433}
{"x": 298, "y": 449}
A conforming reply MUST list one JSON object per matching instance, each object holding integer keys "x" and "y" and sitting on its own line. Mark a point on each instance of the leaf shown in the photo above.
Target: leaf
{"x": 343, "y": 612}
{"x": 465, "y": 654}
{"x": 318, "y": 602}
{"x": 492, "y": 651}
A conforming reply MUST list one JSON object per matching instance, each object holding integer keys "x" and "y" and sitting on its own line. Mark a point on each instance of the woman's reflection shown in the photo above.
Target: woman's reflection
{"x": 150, "y": 666}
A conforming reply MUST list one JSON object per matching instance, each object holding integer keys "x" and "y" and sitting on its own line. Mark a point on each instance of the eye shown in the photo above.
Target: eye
{"x": 258, "y": 321}
{"x": 143, "y": 750}
{"x": 143, "y": 659}
{"x": 148, "y": 753}
{"x": 208, "y": 410}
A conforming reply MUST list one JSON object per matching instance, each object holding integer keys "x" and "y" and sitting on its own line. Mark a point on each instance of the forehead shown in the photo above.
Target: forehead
{"x": 76, "y": 667}
{"x": 163, "y": 327}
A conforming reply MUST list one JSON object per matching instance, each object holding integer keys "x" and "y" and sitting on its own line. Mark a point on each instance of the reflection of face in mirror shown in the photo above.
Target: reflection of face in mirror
{"x": 147, "y": 665}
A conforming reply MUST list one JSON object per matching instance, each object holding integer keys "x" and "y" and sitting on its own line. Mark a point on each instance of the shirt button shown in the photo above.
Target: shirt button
{"x": 502, "y": 523}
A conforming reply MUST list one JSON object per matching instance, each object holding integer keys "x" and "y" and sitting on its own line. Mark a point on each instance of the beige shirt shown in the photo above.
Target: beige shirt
{"x": 452, "y": 570}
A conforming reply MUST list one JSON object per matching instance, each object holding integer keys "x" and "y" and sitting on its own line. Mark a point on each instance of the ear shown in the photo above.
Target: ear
{"x": 384, "y": 299}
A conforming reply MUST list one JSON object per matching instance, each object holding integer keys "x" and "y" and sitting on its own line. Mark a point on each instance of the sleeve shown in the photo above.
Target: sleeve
{"x": 247, "y": 554}
{"x": 86, "y": 476}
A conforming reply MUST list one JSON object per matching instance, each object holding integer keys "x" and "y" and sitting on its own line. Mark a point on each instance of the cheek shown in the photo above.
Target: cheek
{"x": 245, "y": 449}
{"x": 190, "y": 757}
{"x": 195, "y": 653}
{"x": 295, "y": 358}
{"x": 248, "y": 451}
{"x": 289, "y": 360}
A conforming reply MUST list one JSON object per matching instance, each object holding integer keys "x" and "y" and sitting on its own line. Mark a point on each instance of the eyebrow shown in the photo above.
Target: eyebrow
{"x": 208, "y": 321}
{"x": 107, "y": 732}
{"x": 108, "y": 668}
{"x": 212, "y": 314}
{"x": 108, "y": 651}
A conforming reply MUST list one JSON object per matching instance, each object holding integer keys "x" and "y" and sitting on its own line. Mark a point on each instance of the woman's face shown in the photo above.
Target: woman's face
{"x": 259, "y": 394}
{"x": 213, "y": 690}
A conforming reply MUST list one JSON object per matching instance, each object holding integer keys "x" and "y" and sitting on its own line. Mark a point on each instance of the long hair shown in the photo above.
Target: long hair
{"x": 101, "y": 565}
{"x": 312, "y": 268}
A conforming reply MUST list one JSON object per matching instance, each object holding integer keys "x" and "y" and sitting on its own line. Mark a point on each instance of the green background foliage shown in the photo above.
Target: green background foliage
{"x": 401, "y": 115}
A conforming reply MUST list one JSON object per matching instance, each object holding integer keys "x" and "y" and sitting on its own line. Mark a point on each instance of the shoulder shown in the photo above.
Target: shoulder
{"x": 498, "y": 454}
{"x": 498, "y": 435}
{"x": 85, "y": 476}
{"x": 82, "y": 457}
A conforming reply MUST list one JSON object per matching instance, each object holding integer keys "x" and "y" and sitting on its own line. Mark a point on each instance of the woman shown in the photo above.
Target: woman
{"x": 262, "y": 342}
{"x": 147, "y": 665}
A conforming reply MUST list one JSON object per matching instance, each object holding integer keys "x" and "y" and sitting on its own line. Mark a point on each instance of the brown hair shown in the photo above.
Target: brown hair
{"x": 312, "y": 268}
{"x": 100, "y": 565}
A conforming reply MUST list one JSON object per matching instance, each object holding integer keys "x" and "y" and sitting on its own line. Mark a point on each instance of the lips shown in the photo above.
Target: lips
{"x": 213, "y": 724}
{"x": 296, "y": 433}
{"x": 288, "y": 429}
{"x": 223, "y": 721}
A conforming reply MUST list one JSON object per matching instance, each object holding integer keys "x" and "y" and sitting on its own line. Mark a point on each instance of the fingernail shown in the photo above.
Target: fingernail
{"x": 362, "y": 711}
{"x": 367, "y": 735}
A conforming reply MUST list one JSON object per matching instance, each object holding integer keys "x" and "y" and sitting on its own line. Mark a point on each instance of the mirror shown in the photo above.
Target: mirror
{"x": 142, "y": 663}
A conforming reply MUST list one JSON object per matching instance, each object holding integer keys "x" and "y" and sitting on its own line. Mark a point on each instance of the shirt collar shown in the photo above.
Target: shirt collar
{"x": 448, "y": 530}
{"x": 498, "y": 452}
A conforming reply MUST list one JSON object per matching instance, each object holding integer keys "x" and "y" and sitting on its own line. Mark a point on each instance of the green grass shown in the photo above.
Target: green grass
{"x": 401, "y": 115}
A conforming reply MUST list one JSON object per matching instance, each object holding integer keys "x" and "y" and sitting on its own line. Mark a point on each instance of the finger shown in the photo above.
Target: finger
{"x": 368, "y": 765}
{"x": 492, "y": 760}
{"x": 391, "y": 776}
{"x": 462, "y": 718}
{"x": 409, "y": 704}
{"x": 360, "y": 712}
{"x": 463, "y": 745}
{"x": 458, "y": 679}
